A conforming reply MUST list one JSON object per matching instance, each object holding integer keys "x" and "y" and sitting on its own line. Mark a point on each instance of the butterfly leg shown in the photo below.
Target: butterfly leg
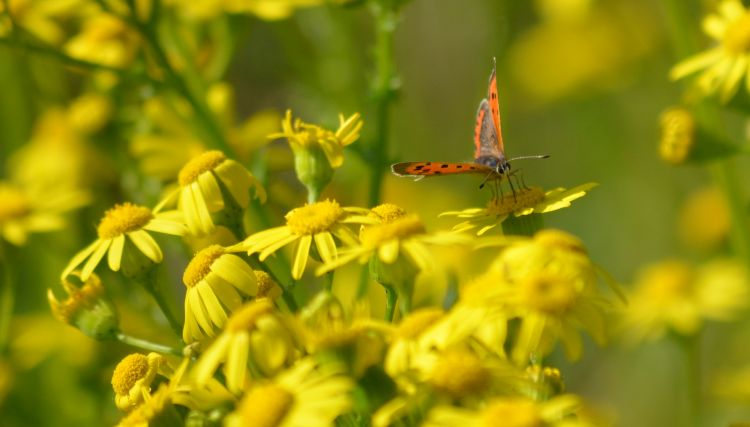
{"x": 510, "y": 182}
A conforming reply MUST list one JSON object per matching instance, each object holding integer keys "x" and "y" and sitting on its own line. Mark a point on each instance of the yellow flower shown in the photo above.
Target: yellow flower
{"x": 217, "y": 283}
{"x": 525, "y": 201}
{"x": 406, "y": 342}
{"x": 104, "y": 39}
{"x": 24, "y": 211}
{"x": 86, "y": 307}
{"x": 270, "y": 10}
{"x": 254, "y": 333}
{"x": 153, "y": 409}
{"x": 303, "y": 135}
{"x": 704, "y": 220}
{"x": 723, "y": 67}
{"x": 320, "y": 222}
{"x": 132, "y": 378}
{"x": 44, "y": 19}
{"x": 405, "y": 236}
{"x": 549, "y": 283}
{"x": 203, "y": 181}
{"x": 122, "y": 227}
{"x": 677, "y": 135}
{"x": 511, "y": 412}
{"x": 89, "y": 112}
{"x": 673, "y": 296}
{"x": 306, "y": 394}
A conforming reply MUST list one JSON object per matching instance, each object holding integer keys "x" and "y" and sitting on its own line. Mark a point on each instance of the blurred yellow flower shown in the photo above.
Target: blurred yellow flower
{"x": 724, "y": 67}
{"x": 704, "y": 220}
{"x": 309, "y": 393}
{"x": 106, "y": 40}
{"x": 320, "y": 222}
{"x": 122, "y": 227}
{"x": 270, "y": 10}
{"x": 217, "y": 283}
{"x": 132, "y": 378}
{"x": 674, "y": 296}
{"x": 203, "y": 182}
{"x": 45, "y": 19}
{"x": 25, "y": 211}
{"x": 89, "y": 112}
{"x": 254, "y": 334}
{"x": 406, "y": 340}
{"x": 550, "y": 284}
{"x": 677, "y": 135}
{"x": 524, "y": 201}
{"x": 559, "y": 411}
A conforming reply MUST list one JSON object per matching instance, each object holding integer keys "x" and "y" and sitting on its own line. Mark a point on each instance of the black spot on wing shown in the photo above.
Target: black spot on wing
{"x": 443, "y": 166}
{"x": 418, "y": 167}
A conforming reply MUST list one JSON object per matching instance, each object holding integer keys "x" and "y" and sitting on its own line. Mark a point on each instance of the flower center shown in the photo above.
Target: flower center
{"x": 14, "y": 203}
{"x": 246, "y": 317}
{"x": 401, "y": 228}
{"x": 132, "y": 368}
{"x": 548, "y": 294}
{"x": 266, "y": 406}
{"x": 459, "y": 374}
{"x": 200, "y": 265}
{"x": 387, "y": 212}
{"x": 418, "y": 321}
{"x": 197, "y": 165}
{"x": 737, "y": 38}
{"x": 267, "y": 287}
{"x": 513, "y": 413}
{"x": 123, "y": 218}
{"x": 312, "y": 219}
{"x": 523, "y": 198}
{"x": 677, "y": 135}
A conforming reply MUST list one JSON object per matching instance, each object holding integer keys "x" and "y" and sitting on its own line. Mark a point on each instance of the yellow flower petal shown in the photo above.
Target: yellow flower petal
{"x": 79, "y": 258}
{"x": 114, "y": 256}
{"x": 235, "y": 271}
{"x": 695, "y": 63}
{"x": 211, "y": 192}
{"x": 235, "y": 369}
{"x": 147, "y": 245}
{"x": 388, "y": 252}
{"x": 93, "y": 261}
{"x": 237, "y": 180}
{"x": 326, "y": 246}
{"x": 213, "y": 307}
{"x": 275, "y": 246}
{"x": 301, "y": 254}
{"x": 197, "y": 309}
{"x": 225, "y": 292}
{"x": 734, "y": 78}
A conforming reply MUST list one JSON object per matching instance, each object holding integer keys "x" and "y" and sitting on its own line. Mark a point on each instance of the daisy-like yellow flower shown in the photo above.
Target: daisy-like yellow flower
{"x": 512, "y": 412}
{"x": 132, "y": 378}
{"x": 403, "y": 236}
{"x": 154, "y": 408}
{"x": 217, "y": 283}
{"x": 307, "y": 394}
{"x": 255, "y": 334}
{"x": 525, "y": 201}
{"x": 725, "y": 66}
{"x": 123, "y": 228}
{"x": 674, "y": 296}
{"x": 317, "y": 151}
{"x": 550, "y": 284}
{"x": 25, "y": 211}
{"x": 303, "y": 135}
{"x": 318, "y": 222}
{"x": 705, "y": 220}
{"x": 203, "y": 181}
{"x": 406, "y": 339}
{"x": 44, "y": 19}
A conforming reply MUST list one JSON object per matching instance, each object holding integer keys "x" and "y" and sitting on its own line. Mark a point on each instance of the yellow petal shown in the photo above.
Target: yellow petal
{"x": 197, "y": 309}
{"x": 236, "y": 271}
{"x": 734, "y": 78}
{"x": 695, "y": 63}
{"x": 93, "y": 261}
{"x": 211, "y": 192}
{"x": 714, "y": 26}
{"x": 301, "y": 254}
{"x": 529, "y": 336}
{"x": 388, "y": 252}
{"x": 225, "y": 292}
{"x": 326, "y": 246}
{"x": 147, "y": 245}
{"x": 212, "y": 358}
{"x": 114, "y": 256}
{"x": 213, "y": 307}
{"x": 276, "y": 245}
{"x": 237, "y": 180}
{"x": 79, "y": 258}
{"x": 236, "y": 366}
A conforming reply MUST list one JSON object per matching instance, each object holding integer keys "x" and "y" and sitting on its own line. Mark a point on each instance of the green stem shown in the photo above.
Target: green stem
{"x": 391, "y": 297}
{"x": 149, "y": 283}
{"x": 147, "y": 345}
{"x": 7, "y": 296}
{"x": 385, "y": 14}
{"x": 690, "y": 347}
{"x": 212, "y": 131}
{"x": 329, "y": 281}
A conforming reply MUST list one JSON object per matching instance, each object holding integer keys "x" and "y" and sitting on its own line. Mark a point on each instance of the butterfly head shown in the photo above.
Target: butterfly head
{"x": 498, "y": 164}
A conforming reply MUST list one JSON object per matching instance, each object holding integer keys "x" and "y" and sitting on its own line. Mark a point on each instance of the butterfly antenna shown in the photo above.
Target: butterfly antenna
{"x": 541, "y": 156}
{"x": 484, "y": 181}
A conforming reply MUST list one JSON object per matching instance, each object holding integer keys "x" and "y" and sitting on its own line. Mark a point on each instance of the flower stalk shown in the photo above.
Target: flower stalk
{"x": 147, "y": 345}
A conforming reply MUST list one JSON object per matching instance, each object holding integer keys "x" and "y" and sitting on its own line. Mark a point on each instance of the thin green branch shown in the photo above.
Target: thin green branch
{"x": 147, "y": 345}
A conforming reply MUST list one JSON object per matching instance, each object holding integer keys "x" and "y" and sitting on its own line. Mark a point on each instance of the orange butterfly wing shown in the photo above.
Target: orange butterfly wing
{"x": 494, "y": 100}
{"x": 423, "y": 169}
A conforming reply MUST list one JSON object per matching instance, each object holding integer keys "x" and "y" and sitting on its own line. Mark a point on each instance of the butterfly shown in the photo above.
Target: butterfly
{"x": 489, "y": 151}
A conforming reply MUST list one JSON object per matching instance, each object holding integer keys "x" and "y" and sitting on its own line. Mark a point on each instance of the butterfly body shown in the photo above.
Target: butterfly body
{"x": 489, "y": 152}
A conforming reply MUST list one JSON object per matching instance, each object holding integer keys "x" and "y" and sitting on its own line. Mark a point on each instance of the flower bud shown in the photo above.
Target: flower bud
{"x": 86, "y": 307}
